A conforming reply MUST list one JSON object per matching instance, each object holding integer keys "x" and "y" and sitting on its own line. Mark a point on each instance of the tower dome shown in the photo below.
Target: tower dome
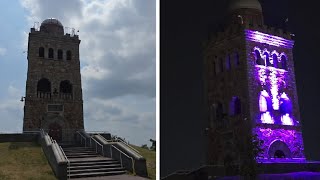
{"x": 52, "y": 26}
{"x": 245, "y": 4}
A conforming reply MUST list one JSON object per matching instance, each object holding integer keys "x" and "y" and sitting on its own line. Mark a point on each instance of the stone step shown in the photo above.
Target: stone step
{"x": 82, "y": 156}
{"x": 68, "y": 152}
{"x": 76, "y": 171}
{"x": 95, "y": 174}
{"x": 86, "y": 163}
{"x": 77, "y": 148}
{"x": 95, "y": 166}
{"x": 81, "y": 153}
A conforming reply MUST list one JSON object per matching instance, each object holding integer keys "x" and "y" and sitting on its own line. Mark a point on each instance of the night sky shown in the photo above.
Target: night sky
{"x": 184, "y": 26}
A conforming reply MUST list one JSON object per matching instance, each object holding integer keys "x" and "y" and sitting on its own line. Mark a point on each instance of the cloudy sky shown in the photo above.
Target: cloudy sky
{"x": 117, "y": 54}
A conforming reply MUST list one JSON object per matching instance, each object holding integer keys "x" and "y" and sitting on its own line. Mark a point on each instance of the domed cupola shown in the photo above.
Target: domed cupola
{"x": 243, "y": 11}
{"x": 52, "y": 26}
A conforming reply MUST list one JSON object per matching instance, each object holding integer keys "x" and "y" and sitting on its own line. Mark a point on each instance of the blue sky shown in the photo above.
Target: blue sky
{"x": 117, "y": 54}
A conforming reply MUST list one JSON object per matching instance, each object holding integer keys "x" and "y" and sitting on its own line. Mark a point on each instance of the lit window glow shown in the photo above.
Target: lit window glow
{"x": 286, "y": 120}
{"x": 267, "y": 118}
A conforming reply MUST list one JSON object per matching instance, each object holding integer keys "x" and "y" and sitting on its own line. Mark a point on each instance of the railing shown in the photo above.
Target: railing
{"x": 68, "y": 168}
{"x": 127, "y": 144}
{"x": 82, "y": 137}
{"x": 67, "y": 96}
{"x": 45, "y": 95}
{"x": 18, "y": 132}
{"x": 97, "y": 132}
{"x": 121, "y": 152}
{"x": 97, "y": 145}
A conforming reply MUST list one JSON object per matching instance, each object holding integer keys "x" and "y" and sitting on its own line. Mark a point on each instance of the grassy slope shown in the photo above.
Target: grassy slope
{"x": 24, "y": 161}
{"x": 151, "y": 160}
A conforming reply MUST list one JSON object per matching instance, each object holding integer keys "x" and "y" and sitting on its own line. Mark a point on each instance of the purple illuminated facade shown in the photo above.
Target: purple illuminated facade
{"x": 273, "y": 96}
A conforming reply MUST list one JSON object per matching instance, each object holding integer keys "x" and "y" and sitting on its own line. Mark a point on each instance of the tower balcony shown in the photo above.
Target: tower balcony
{"x": 54, "y": 95}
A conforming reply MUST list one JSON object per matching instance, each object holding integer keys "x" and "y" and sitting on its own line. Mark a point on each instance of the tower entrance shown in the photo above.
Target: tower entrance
{"x": 279, "y": 149}
{"x": 55, "y": 131}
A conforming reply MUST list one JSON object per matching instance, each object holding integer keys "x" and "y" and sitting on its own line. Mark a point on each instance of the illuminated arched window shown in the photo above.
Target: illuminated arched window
{"x": 236, "y": 59}
{"x": 265, "y": 103}
{"x": 285, "y": 104}
{"x": 284, "y": 62}
{"x": 235, "y": 106}
{"x": 285, "y": 110}
{"x": 267, "y": 59}
{"x": 259, "y": 60}
{"x": 275, "y": 60}
{"x": 228, "y": 62}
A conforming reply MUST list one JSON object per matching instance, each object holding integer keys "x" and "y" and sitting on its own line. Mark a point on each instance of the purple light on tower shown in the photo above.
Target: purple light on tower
{"x": 271, "y": 73}
{"x": 260, "y": 37}
{"x": 272, "y": 80}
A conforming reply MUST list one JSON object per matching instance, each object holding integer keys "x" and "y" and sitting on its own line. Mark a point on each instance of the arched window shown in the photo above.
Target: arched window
{"x": 228, "y": 62}
{"x": 265, "y": 102}
{"x": 219, "y": 111}
{"x": 41, "y": 52}
{"x": 285, "y": 104}
{"x": 259, "y": 60}
{"x": 44, "y": 85}
{"x": 44, "y": 88}
{"x": 266, "y": 58}
{"x": 236, "y": 59}
{"x": 60, "y": 54}
{"x": 69, "y": 55}
{"x": 221, "y": 65}
{"x": 50, "y": 54}
{"x": 235, "y": 106}
{"x": 65, "y": 87}
{"x": 275, "y": 60}
{"x": 284, "y": 62}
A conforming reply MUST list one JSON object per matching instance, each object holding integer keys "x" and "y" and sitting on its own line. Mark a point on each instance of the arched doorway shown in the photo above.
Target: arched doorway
{"x": 279, "y": 149}
{"x": 55, "y": 131}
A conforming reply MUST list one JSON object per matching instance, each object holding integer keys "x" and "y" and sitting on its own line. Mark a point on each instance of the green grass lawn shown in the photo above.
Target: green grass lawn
{"x": 24, "y": 160}
{"x": 151, "y": 160}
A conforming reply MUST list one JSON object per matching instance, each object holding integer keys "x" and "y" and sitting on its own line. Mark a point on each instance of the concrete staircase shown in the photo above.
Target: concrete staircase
{"x": 85, "y": 162}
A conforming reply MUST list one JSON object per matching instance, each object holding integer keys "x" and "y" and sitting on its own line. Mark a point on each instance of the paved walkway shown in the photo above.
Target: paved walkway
{"x": 118, "y": 177}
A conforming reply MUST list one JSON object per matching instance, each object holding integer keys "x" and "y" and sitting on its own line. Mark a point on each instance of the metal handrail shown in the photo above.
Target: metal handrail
{"x": 85, "y": 142}
{"x": 127, "y": 144}
{"x": 65, "y": 156}
{"x": 96, "y": 145}
{"x": 98, "y": 132}
{"x": 132, "y": 160}
{"x": 14, "y": 132}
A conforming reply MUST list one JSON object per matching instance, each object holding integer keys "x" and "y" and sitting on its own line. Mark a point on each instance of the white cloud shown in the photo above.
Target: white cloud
{"x": 3, "y": 51}
{"x": 117, "y": 53}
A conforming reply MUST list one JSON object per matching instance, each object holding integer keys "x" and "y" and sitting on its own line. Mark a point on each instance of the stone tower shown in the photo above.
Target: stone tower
{"x": 53, "y": 99}
{"x": 250, "y": 89}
